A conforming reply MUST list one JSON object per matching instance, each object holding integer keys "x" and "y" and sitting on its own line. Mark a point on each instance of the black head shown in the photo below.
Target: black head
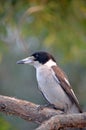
{"x": 42, "y": 57}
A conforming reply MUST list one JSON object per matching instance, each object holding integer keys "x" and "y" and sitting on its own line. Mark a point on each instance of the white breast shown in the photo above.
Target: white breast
{"x": 50, "y": 87}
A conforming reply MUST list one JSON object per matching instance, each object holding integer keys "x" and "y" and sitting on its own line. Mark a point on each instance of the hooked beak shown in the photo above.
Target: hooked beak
{"x": 27, "y": 60}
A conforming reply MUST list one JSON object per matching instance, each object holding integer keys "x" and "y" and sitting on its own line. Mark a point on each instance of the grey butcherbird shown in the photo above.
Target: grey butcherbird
{"x": 52, "y": 82}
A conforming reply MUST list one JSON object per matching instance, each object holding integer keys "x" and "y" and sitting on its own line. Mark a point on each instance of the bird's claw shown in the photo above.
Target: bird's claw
{"x": 52, "y": 106}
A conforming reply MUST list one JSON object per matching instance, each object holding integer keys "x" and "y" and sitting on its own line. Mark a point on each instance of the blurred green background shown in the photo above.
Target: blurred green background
{"x": 26, "y": 26}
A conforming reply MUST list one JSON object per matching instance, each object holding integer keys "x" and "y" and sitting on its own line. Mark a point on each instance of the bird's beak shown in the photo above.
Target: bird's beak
{"x": 27, "y": 60}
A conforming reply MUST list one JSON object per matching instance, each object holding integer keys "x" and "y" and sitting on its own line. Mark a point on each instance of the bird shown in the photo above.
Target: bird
{"x": 53, "y": 82}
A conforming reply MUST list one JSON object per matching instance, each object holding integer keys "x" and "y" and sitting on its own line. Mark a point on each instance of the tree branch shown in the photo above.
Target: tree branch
{"x": 51, "y": 119}
{"x": 64, "y": 121}
{"x": 25, "y": 110}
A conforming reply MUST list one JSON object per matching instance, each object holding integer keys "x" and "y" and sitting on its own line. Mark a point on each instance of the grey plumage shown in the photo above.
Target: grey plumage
{"x": 51, "y": 87}
{"x": 53, "y": 82}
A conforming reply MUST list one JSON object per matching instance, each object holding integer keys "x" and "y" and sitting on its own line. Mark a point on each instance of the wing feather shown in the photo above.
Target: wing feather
{"x": 61, "y": 76}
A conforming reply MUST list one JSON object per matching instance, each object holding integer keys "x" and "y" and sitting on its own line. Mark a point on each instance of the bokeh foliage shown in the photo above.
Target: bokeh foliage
{"x": 26, "y": 26}
{"x": 4, "y": 125}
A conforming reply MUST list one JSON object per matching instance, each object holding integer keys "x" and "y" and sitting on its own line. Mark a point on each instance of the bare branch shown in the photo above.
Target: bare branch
{"x": 64, "y": 121}
{"x": 51, "y": 119}
{"x": 25, "y": 110}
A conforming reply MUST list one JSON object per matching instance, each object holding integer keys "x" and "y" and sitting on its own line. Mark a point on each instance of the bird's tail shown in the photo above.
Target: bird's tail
{"x": 74, "y": 109}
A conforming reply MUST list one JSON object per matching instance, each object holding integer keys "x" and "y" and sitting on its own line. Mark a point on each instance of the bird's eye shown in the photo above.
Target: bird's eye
{"x": 36, "y": 55}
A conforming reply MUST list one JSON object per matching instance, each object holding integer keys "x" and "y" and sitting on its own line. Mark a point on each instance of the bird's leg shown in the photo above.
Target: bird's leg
{"x": 52, "y": 106}
{"x": 41, "y": 107}
{"x": 56, "y": 108}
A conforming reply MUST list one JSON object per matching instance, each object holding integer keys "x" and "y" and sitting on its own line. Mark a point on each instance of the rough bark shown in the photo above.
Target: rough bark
{"x": 64, "y": 121}
{"x": 25, "y": 109}
{"x": 49, "y": 119}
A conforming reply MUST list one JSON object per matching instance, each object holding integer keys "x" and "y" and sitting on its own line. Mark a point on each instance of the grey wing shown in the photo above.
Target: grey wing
{"x": 59, "y": 74}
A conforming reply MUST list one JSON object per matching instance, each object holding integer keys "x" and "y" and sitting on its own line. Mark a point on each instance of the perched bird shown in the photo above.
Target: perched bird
{"x": 53, "y": 82}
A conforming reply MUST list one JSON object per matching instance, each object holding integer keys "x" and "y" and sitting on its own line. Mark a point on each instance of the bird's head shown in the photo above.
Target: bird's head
{"x": 37, "y": 59}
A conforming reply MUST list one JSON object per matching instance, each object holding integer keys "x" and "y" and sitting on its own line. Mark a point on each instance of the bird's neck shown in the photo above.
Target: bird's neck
{"x": 50, "y": 63}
